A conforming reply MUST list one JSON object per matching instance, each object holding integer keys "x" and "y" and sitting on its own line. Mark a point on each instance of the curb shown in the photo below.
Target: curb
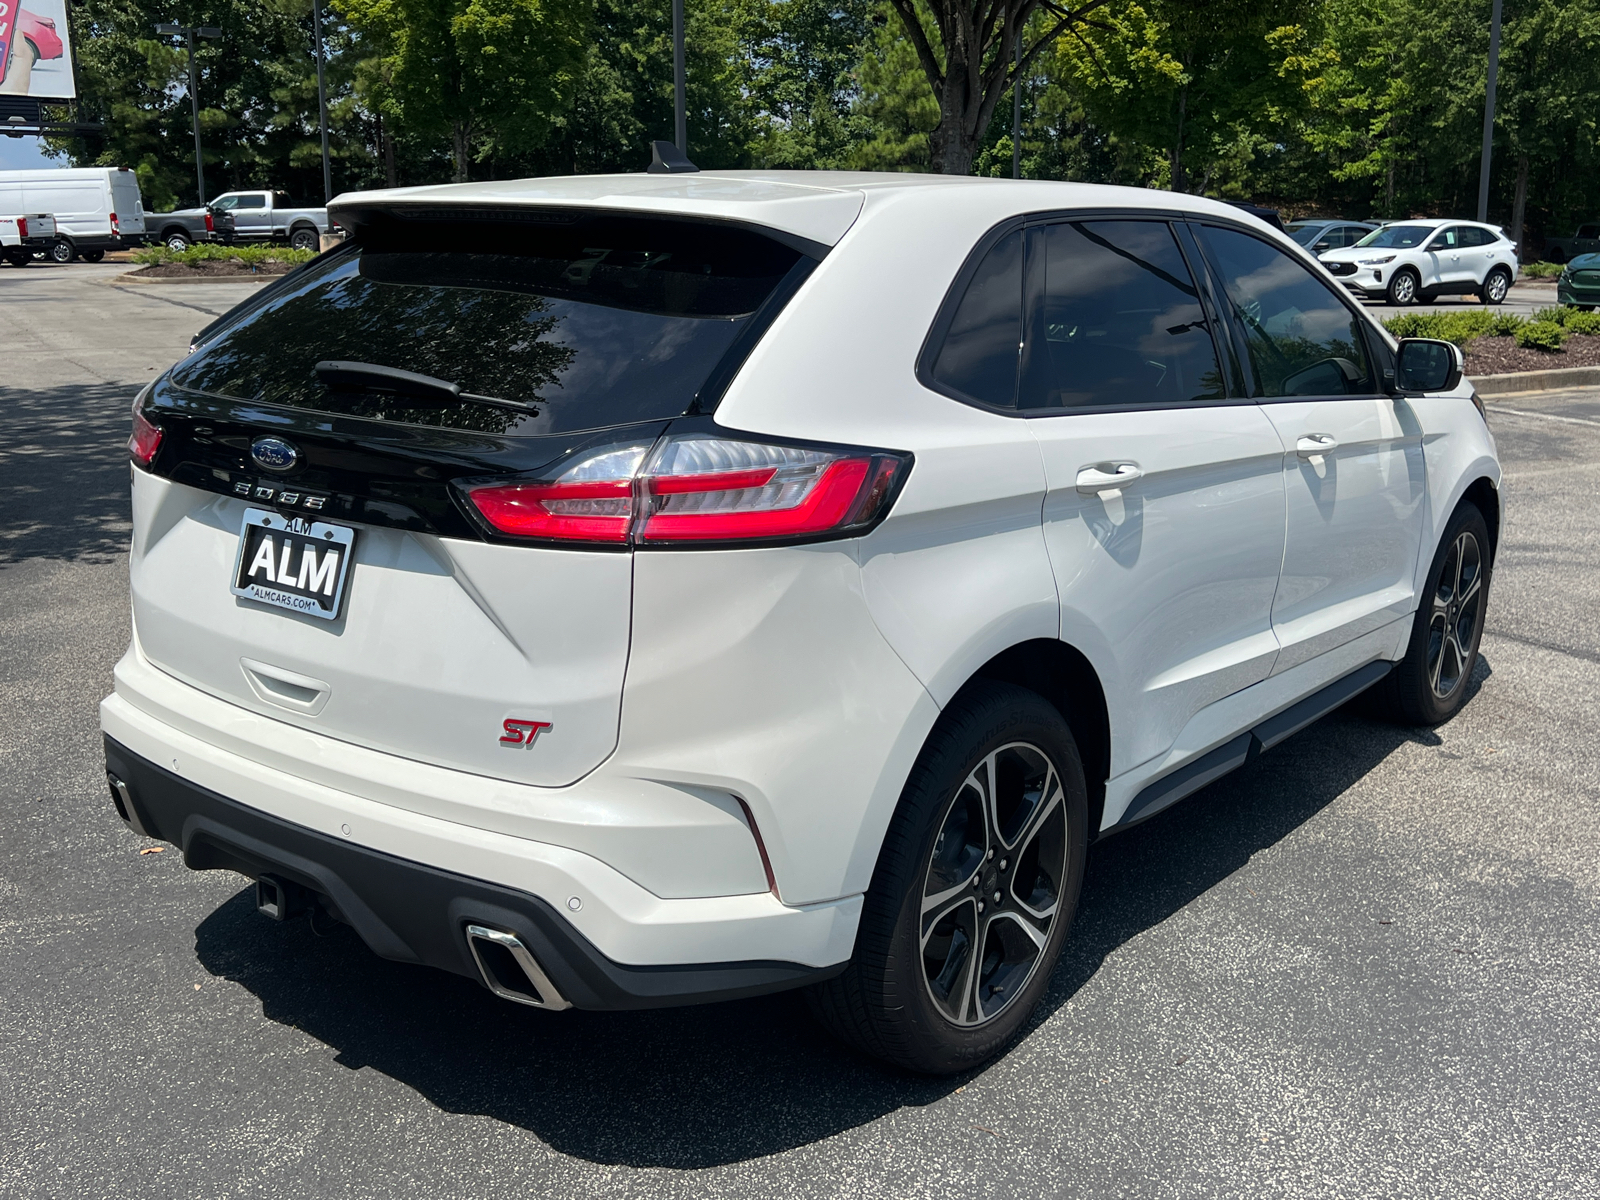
{"x": 124, "y": 281}
{"x": 1554, "y": 380}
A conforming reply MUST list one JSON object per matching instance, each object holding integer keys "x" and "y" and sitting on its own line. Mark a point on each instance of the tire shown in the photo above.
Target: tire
{"x": 176, "y": 241}
{"x": 913, "y": 993}
{"x": 1429, "y": 685}
{"x": 62, "y": 251}
{"x": 1495, "y": 286}
{"x": 19, "y": 258}
{"x": 305, "y": 239}
{"x": 1402, "y": 289}
{"x": 92, "y": 256}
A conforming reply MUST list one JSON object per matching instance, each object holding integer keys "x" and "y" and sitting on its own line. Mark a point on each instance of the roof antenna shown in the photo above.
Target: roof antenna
{"x": 667, "y": 159}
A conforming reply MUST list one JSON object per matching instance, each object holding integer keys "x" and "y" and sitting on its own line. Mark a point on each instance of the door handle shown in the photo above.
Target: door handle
{"x": 1103, "y": 477}
{"x": 1314, "y": 444}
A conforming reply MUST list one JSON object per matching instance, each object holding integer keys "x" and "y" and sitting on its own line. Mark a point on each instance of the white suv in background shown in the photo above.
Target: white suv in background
{"x": 1407, "y": 261}
{"x": 645, "y": 590}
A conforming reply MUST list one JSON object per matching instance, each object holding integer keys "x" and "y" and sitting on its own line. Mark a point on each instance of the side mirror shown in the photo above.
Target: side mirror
{"x": 1426, "y": 365}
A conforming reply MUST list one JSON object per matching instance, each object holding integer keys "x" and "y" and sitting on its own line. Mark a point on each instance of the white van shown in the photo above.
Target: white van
{"x": 96, "y": 208}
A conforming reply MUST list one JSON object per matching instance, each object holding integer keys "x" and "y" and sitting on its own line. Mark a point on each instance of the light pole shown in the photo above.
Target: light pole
{"x": 190, "y": 32}
{"x": 680, "y": 117}
{"x": 1488, "y": 113}
{"x": 1016, "y": 115}
{"x": 322, "y": 105}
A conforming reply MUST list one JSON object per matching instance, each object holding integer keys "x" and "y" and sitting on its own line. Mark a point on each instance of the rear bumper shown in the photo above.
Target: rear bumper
{"x": 411, "y": 912}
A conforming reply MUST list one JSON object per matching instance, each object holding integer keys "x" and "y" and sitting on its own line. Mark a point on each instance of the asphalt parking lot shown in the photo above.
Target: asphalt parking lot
{"x": 1368, "y": 965}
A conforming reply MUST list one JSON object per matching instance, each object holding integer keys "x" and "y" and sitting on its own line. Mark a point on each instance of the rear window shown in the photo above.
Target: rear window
{"x": 593, "y": 321}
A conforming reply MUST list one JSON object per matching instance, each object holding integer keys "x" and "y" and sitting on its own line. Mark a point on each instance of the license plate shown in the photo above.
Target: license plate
{"x": 293, "y": 563}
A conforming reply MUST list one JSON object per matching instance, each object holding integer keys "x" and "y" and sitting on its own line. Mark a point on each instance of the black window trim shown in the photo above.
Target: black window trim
{"x": 1175, "y": 219}
{"x": 1236, "y": 335}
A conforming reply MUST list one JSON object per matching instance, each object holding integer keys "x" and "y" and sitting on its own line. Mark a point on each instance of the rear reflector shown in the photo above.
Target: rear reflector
{"x": 145, "y": 440}
{"x": 701, "y": 489}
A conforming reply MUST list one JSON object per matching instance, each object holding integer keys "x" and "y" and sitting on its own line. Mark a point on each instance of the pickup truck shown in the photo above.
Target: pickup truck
{"x": 180, "y": 230}
{"x": 22, "y": 236}
{"x": 272, "y": 217}
{"x": 1565, "y": 249}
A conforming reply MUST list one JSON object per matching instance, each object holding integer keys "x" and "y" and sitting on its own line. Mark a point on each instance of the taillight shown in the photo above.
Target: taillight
{"x": 698, "y": 488}
{"x": 22, "y": 227}
{"x": 210, "y": 227}
{"x": 115, "y": 228}
{"x": 145, "y": 439}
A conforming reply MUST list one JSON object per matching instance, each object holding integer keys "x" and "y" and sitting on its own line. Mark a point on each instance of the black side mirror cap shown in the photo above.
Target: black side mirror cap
{"x": 1427, "y": 365}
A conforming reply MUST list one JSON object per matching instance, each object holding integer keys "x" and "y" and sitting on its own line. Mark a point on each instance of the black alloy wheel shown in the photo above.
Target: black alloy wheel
{"x": 975, "y": 888}
{"x": 1429, "y": 685}
{"x": 305, "y": 239}
{"x": 62, "y": 251}
{"x": 1402, "y": 287}
{"x": 989, "y": 900}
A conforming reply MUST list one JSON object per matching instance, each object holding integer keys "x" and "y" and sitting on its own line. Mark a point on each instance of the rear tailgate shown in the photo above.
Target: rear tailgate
{"x": 444, "y": 641}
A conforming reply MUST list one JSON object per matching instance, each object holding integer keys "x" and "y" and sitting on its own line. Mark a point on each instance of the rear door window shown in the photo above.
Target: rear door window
{"x": 593, "y": 322}
{"x": 978, "y": 356}
{"x": 1300, "y": 337}
{"x": 1120, "y": 322}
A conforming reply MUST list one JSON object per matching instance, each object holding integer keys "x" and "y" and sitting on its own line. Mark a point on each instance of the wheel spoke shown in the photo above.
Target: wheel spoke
{"x": 943, "y": 902}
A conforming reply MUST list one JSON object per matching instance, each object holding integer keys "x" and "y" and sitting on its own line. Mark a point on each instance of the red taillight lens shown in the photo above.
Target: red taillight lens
{"x": 210, "y": 225}
{"x": 115, "y": 228}
{"x": 145, "y": 440}
{"x": 697, "y": 488}
{"x": 22, "y": 226}
{"x": 583, "y": 512}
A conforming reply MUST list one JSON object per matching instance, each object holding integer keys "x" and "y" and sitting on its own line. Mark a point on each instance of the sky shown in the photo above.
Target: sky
{"x": 23, "y": 153}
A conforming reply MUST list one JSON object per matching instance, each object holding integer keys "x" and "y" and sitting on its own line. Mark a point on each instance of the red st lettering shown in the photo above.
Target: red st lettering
{"x": 519, "y": 732}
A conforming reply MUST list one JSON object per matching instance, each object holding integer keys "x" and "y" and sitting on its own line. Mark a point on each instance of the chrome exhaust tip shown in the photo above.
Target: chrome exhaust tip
{"x": 123, "y": 800}
{"x": 510, "y": 971}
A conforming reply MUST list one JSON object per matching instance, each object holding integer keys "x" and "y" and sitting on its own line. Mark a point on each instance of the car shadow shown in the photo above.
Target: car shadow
{"x": 706, "y": 1086}
{"x": 64, "y": 472}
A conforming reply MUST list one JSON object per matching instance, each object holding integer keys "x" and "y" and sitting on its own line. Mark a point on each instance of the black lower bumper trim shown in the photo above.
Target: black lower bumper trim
{"x": 414, "y": 913}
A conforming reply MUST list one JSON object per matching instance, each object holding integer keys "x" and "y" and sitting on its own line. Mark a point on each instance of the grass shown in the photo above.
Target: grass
{"x": 250, "y": 256}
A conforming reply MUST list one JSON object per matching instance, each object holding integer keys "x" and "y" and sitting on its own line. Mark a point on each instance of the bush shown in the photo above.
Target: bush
{"x": 252, "y": 256}
{"x": 1553, "y": 315}
{"x": 1541, "y": 335}
{"x": 1581, "y": 322}
{"x": 1458, "y": 327}
{"x": 1541, "y": 270}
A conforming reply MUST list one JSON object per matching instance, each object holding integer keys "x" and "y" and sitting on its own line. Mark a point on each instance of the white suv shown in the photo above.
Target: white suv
{"x": 655, "y": 589}
{"x": 1423, "y": 259}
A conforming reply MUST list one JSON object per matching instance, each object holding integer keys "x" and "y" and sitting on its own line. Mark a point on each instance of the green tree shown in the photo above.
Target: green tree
{"x": 486, "y": 74}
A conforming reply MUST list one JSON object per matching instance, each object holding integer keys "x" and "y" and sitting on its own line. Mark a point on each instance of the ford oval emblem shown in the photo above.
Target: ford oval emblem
{"x": 274, "y": 454}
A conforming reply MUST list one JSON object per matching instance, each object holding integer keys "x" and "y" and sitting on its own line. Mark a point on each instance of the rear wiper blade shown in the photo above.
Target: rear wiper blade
{"x": 374, "y": 377}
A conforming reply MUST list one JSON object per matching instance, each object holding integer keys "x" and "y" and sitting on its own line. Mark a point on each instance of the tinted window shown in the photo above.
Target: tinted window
{"x": 1474, "y": 235}
{"x": 1349, "y": 235}
{"x": 254, "y": 200}
{"x": 1305, "y": 232}
{"x": 1589, "y": 231}
{"x": 1397, "y": 237}
{"x": 1121, "y": 322}
{"x": 1301, "y": 339}
{"x": 1447, "y": 239}
{"x": 599, "y": 322}
{"x": 979, "y": 355}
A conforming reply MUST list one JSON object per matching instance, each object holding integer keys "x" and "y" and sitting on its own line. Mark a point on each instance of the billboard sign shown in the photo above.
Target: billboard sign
{"x": 36, "y": 50}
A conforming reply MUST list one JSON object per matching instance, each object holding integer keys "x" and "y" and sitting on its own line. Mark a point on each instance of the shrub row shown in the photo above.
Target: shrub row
{"x": 209, "y": 252}
{"x": 1547, "y": 329}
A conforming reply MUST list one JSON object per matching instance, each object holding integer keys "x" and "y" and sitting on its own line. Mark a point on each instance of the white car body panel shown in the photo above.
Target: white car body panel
{"x": 1354, "y": 519}
{"x": 82, "y": 200}
{"x": 1166, "y": 585}
{"x": 518, "y": 632}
